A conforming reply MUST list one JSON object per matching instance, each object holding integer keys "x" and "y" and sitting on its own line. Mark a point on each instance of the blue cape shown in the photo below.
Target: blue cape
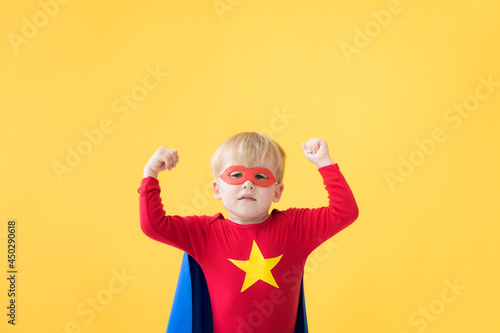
{"x": 191, "y": 310}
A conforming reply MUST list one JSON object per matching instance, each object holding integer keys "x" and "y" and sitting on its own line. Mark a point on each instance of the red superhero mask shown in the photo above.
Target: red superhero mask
{"x": 237, "y": 174}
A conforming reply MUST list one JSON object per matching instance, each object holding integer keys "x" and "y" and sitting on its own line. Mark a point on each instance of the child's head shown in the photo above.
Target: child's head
{"x": 247, "y": 194}
{"x": 249, "y": 149}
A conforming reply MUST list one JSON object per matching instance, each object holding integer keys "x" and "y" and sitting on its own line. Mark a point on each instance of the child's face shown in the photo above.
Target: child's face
{"x": 247, "y": 202}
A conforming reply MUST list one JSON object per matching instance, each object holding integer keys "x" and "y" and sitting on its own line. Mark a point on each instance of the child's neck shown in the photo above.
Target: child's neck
{"x": 248, "y": 220}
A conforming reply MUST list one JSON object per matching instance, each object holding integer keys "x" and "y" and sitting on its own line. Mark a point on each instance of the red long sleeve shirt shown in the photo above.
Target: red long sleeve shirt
{"x": 254, "y": 271}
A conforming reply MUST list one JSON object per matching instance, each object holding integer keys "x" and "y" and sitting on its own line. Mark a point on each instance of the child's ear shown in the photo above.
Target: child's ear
{"x": 278, "y": 191}
{"x": 215, "y": 187}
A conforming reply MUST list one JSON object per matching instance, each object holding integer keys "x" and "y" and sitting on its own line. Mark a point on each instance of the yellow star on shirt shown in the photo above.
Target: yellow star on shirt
{"x": 257, "y": 268}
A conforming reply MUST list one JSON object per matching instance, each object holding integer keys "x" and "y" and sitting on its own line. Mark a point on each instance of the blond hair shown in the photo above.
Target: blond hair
{"x": 250, "y": 149}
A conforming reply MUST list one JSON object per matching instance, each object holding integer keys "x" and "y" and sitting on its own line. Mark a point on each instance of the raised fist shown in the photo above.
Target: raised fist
{"x": 162, "y": 159}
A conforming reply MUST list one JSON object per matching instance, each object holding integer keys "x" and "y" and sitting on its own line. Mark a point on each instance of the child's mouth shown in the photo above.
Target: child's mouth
{"x": 247, "y": 197}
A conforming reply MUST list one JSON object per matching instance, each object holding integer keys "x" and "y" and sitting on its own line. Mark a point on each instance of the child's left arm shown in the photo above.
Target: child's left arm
{"x": 316, "y": 225}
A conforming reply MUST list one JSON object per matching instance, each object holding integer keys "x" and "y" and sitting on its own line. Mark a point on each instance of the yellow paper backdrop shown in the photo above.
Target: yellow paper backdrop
{"x": 406, "y": 93}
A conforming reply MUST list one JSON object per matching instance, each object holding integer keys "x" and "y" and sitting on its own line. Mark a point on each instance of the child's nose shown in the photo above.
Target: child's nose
{"x": 248, "y": 184}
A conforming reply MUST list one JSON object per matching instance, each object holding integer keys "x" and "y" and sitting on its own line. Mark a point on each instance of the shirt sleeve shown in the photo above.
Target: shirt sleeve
{"x": 316, "y": 225}
{"x": 187, "y": 233}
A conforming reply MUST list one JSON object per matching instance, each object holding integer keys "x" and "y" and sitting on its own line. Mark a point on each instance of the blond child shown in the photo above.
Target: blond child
{"x": 253, "y": 260}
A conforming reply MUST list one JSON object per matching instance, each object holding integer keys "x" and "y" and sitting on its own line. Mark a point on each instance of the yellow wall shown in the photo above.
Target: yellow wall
{"x": 399, "y": 89}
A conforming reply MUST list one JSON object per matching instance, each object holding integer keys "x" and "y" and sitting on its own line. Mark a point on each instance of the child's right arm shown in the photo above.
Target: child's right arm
{"x": 185, "y": 233}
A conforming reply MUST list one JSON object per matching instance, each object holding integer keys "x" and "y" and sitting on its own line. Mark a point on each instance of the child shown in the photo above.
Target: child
{"x": 253, "y": 261}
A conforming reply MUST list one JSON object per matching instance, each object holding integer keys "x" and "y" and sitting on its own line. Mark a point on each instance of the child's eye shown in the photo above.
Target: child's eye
{"x": 236, "y": 174}
{"x": 260, "y": 176}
